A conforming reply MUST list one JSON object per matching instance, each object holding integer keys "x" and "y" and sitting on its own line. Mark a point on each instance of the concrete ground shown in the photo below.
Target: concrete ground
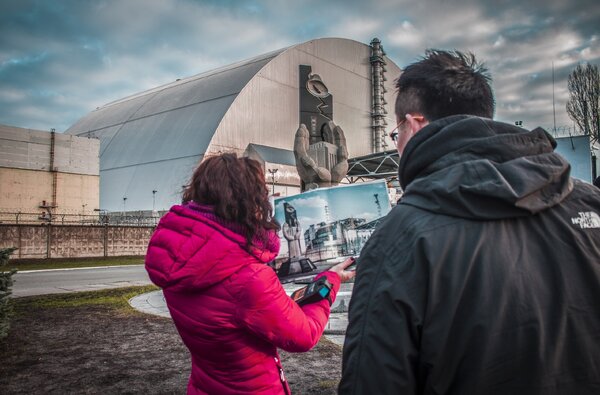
{"x": 53, "y": 281}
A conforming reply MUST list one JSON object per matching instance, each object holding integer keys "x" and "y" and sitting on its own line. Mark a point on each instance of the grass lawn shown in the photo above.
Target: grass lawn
{"x": 116, "y": 298}
{"x": 67, "y": 263}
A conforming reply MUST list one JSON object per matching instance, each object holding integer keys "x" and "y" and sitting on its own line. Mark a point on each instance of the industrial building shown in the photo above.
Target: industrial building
{"x": 150, "y": 142}
{"x": 42, "y": 173}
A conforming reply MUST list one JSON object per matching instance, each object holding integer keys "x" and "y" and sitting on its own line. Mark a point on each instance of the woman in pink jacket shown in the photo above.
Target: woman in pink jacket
{"x": 209, "y": 256}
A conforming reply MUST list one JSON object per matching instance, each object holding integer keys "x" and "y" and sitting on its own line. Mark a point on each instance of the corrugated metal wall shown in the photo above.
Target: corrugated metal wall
{"x": 267, "y": 110}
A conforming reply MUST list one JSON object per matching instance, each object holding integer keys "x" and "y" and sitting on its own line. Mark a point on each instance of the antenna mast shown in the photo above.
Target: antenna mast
{"x": 553, "y": 105}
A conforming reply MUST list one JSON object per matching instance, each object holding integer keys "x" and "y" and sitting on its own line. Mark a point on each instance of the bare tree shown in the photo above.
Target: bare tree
{"x": 583, "y": 106}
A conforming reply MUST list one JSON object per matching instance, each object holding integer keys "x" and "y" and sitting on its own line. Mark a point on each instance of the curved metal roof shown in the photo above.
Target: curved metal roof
{"x": 162, "y": 133}
{"x": 150, "y": 142}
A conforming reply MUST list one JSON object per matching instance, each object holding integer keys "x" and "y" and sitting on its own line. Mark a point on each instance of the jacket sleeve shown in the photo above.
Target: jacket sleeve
{"x": 268, "y": 312}
{"x": 381, "y": 349}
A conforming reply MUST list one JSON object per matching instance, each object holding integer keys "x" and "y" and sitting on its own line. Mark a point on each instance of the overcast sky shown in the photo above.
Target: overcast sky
{"x": 60, "y": 59}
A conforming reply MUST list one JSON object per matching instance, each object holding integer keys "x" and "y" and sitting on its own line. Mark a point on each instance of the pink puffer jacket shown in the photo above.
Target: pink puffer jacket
{"x": 228, "y": 305}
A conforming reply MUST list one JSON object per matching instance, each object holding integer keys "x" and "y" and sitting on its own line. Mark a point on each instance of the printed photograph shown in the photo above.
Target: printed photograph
{"x": 324, "y": 226}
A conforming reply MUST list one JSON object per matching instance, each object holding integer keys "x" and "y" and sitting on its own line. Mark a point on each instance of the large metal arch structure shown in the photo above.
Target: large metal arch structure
{"x": 150, "y": 142}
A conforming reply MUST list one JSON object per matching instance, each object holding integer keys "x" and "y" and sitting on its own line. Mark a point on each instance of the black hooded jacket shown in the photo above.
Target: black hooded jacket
{"x": 485, "y": 279}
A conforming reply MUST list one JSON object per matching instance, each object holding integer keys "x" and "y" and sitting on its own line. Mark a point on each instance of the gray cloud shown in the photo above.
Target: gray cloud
{"x": 519, "y": 42}
{"x": 61, "y": 59}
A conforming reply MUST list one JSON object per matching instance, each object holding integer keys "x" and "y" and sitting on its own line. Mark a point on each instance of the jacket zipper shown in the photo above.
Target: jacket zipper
{"x": 282, "y": 376}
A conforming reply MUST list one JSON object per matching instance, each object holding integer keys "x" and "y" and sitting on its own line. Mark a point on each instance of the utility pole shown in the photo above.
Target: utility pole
{"x": 553, "y": 105}
{"x": 273, "y": 172}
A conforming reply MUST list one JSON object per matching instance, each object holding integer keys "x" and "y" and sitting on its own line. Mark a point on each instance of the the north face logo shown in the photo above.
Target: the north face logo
{"x": 587, "y": 220}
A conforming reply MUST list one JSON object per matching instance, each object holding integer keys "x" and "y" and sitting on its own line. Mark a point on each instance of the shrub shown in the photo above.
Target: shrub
{"x": 5, "y": 284}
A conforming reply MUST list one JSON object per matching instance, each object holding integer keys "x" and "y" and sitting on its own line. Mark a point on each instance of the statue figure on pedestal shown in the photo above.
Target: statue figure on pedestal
{"x": 291, "y": 231}
{"x": 319, "y": 144}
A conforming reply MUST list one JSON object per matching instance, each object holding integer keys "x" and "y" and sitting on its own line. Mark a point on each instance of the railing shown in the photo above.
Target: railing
{"x": 113, "y": 219}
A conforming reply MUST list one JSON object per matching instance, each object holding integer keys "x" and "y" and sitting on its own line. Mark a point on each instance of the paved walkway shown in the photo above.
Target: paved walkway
{"x": 52, "y": 281}
{"x": 154, "y": 303}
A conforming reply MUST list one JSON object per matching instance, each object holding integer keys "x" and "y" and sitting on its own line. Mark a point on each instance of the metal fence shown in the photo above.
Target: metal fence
{"x": 141, "y": 218}
{"x": 74, "y": 240}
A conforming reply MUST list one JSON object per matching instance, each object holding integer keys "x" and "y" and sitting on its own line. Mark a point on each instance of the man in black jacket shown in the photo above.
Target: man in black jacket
{"x": 485, "y": 278}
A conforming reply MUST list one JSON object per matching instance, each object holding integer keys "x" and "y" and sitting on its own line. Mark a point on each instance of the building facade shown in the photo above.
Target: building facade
{"x": 43, "y": 173}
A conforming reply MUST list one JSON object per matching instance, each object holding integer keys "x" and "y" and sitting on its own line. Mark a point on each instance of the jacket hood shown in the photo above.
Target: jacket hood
{"x": 190, "y": 250}
{"x": 477, "y": 168}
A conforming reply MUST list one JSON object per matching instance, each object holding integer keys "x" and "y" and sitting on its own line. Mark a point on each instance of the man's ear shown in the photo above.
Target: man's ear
{"x": 412, "y": 124}
{"x": 416, "y": 122}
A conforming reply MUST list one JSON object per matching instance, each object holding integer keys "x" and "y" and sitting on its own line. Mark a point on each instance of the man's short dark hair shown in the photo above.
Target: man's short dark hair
{"x": 445, "y": 83}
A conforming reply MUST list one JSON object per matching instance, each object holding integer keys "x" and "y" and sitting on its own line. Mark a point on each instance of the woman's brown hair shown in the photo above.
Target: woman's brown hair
{"x": 237, "y": 189}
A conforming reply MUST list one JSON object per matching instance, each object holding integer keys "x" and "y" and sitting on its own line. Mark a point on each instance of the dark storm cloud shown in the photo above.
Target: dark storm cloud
{"x": 61, "y": 59}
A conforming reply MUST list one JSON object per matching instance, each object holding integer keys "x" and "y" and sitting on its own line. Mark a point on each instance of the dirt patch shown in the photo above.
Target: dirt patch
{"x": 100, "y": 350}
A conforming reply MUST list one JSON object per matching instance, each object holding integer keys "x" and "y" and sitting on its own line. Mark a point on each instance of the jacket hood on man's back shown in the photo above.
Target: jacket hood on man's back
{"x": 189, "y": 251}
{"x": 476, "y": 168}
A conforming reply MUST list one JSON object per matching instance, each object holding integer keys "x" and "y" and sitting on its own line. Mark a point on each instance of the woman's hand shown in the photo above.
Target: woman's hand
{"x": 345, "y": 275}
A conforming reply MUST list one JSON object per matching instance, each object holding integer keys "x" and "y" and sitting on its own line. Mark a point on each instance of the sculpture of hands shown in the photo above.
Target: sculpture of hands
{"x": 310, "y": 172}
{"x": 291, "y": 232}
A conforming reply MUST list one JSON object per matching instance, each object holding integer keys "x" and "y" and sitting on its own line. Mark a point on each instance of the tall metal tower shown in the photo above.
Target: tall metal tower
{"x": 378, "y": 111}
{"x": 378, "y": 204}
